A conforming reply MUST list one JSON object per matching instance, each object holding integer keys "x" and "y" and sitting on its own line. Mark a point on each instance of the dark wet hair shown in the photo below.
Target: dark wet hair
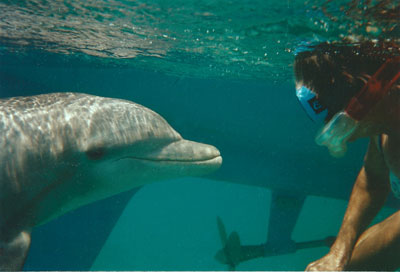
{"x": 337, "y": 71}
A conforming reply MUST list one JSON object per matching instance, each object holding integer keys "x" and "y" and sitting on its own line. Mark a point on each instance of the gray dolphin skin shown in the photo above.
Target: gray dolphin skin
{"x": 60, "y": 151}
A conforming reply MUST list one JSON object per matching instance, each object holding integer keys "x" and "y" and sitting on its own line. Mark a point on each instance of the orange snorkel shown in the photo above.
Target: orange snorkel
{"x": 375, "y": 89}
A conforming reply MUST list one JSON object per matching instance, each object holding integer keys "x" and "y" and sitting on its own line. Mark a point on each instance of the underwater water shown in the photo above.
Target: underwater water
{"x": 220, "y": 72}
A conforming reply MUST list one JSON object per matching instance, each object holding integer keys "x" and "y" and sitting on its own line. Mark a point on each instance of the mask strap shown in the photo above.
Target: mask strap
{"x": 375, "y": 89}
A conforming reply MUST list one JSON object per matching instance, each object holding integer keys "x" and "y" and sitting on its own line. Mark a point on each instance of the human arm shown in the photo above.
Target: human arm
{"x": 368, "y": 196}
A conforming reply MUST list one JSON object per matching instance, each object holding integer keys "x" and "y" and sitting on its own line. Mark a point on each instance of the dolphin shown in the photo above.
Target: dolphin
{"x": 60, "y": 151}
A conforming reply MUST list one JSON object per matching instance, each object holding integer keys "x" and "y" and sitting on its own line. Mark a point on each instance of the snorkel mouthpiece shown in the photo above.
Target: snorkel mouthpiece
{"x": 336, "y": 133}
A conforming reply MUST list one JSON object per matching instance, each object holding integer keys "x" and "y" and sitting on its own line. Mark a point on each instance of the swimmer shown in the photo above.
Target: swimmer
{"x": 354, "y": 91}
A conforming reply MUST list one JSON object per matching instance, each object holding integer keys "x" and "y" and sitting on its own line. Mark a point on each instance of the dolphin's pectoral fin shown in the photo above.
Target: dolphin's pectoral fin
{"x": 284, "y": 211}
{"x": 14, "y": 251}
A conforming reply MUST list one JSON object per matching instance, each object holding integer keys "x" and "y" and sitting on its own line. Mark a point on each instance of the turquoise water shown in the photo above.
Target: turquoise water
{"x": 219, "y": 72}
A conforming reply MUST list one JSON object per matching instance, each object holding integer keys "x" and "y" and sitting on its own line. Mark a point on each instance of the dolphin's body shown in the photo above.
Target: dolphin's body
{"x": 63, "y": 150}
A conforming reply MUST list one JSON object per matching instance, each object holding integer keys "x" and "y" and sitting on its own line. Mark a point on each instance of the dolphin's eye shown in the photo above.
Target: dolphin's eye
{"x": 95, "y": 154}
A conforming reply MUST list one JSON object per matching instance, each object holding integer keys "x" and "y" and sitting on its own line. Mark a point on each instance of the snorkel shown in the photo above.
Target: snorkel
{"x": 336, "y": 133}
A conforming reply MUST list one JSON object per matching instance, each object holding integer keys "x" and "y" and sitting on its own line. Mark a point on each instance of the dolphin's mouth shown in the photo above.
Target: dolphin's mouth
{"x": 171, "y": 160}
{"x": 181, "y": 152}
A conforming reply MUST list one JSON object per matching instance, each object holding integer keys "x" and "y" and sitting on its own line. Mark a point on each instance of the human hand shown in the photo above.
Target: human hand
{"x": 333, "y": 261}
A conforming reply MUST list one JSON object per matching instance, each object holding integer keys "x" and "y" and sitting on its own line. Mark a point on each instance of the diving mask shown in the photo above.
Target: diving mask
{"x": 312, "y": 106}
{"x": 342, "y": 126}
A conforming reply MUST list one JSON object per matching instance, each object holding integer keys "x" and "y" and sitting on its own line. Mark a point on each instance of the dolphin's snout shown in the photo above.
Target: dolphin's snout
{"x": 186, "y": 151}
{"x": 187, "y": 158}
